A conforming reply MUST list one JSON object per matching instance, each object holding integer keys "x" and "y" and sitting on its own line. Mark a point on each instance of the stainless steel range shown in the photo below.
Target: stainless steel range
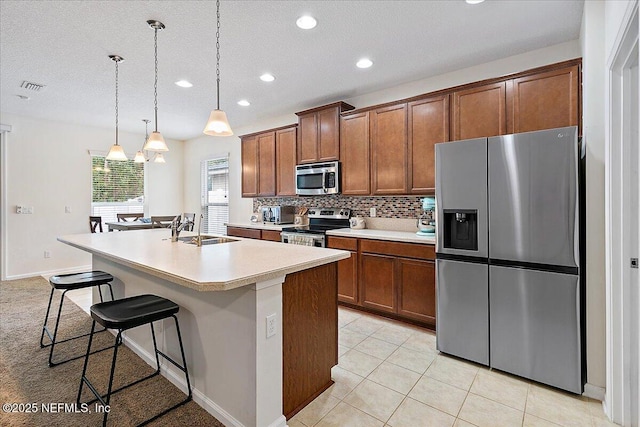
{"x": 320, "y": 220}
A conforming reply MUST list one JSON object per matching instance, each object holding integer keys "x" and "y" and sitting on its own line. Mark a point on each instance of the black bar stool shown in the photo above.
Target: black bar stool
{"x": 66, "y": 283}
{"x": 125, "y": 314}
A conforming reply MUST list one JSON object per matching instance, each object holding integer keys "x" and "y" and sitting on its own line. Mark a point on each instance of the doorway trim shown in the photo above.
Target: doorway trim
{"x": 4, "y": 130}
{"x": 622, "y": 327}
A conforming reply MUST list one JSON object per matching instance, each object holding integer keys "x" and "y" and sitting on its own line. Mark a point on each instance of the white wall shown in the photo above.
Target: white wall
{"x": 48, "y": 168}
{"x": 592, "y": 44}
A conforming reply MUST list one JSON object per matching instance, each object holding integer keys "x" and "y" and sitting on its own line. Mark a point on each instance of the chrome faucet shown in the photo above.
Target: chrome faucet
{"x": 176, "y": 228}
{"x": 198, "y": 240}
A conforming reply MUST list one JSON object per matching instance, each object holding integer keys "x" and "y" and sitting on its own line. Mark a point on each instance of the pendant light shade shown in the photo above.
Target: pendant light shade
{"x": 116, "y": 152}
{"x": 218, "y": 125}
{"x": 155, "y": 142}
{"x": 159, "y": 158}
{"x": 139, "y": 158}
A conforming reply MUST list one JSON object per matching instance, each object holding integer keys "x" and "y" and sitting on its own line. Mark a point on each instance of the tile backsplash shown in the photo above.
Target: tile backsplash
{"x": 386, "y": 207}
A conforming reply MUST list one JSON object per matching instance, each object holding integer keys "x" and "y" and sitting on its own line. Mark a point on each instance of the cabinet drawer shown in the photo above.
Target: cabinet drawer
{"x": 273, "y": 235}
{"x": 346, "y": 243}
{"x": 408, "y": 250}
{"x": 251, "y": 233}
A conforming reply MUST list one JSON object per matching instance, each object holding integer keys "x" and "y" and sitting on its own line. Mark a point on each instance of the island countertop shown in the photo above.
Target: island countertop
{"x": 216, "y": 267}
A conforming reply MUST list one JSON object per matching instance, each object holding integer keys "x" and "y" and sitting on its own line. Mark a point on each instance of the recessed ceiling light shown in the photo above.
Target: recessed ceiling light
{"x": 364, "y": 63}
{"x": 306, "y": 22}
{"x": 267, "y": 77}
{"x": 184, "y": 83}
{"x": 244, "y": 103}
{"x": 474, "y": 1}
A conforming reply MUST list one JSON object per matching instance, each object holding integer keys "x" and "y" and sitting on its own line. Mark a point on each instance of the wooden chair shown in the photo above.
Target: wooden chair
{"x": 163, "y": 221}
{"x": 190, "y": 220}
{"x": 95, "y": 222}
{"x": 125, "y": 217}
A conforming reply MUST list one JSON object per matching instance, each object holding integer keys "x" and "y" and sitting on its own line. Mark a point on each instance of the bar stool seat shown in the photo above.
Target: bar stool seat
{"x": 66, "y": 283}
{"x": 125, "y": 314}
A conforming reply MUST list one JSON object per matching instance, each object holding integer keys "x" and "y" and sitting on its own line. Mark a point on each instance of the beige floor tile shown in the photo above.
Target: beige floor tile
{"x": 365, "y": 325}
{"x": 394, "y": 377}
{"x": 344, "y": 415}
{"x": 421, "y": 341}
{"x": 346, "y": 315}
{"x": 414, "y": 360}
{"x": 533, "y": 421}
{"x": 314, "y": 411}
{"x": 376, "y": 348}
{"x": 344, "y": 382}
{"x": 358, "y": 363}
{"x": 392, "y": 334}
{"x": 374, "y": 399}
{"x": 342, "y": 350}
{"x": 595, "y": 409}
{"x": 558, "y": 407}
{"x": 452, "y": 372}
{"x": 350, "y": 338}
{"x": 602, "y": 422}
{"x": 294, "y": 423}
{"x": 462, "y": 423}
{"x": 412, "y": 413}
{"x": 501, "y": 389}
{"x": 440, "y": 395}
{"x": 487, "y": 413}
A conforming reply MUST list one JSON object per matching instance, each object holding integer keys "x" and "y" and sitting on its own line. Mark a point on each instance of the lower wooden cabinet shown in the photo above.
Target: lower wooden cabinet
{"x": 390, "y": 278}
{"x": 254, "y": 233}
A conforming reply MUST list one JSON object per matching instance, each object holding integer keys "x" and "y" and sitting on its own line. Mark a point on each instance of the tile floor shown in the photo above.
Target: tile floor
{"x": 390, "y": 374}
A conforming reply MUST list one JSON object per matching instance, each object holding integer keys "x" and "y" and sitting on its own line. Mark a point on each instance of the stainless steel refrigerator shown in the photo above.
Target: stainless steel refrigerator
{"x": 508, "y": 265}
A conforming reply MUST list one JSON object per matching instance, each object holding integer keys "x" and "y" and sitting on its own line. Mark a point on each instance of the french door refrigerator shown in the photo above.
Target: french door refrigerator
{"x": 508, "y": 266}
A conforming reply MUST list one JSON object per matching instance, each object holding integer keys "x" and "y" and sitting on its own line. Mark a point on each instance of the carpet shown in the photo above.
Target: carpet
{"x": 25, "y": 377}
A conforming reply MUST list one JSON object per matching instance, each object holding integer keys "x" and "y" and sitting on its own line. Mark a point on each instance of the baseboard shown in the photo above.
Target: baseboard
{"x": 594, "y": 392}
{"x": 47, "y": 274}
{"x": 177, "y": 379}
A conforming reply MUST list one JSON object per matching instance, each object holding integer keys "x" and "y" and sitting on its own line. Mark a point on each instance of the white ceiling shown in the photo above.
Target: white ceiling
{"x": 65, "y": 46}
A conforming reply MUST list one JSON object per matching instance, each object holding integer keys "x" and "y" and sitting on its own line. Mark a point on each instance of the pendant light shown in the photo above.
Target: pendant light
{"x": 116, "y": 152}
{"x": 218, "y": 125}
{"x": 140, "y": 157}
{"x": 155, "y": 142}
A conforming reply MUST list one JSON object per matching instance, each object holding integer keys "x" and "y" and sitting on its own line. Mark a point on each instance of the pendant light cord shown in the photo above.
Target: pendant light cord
{"x": 155, "y": 84}
{"x": 117, "y": 100}
{"x": 218, "y": 52}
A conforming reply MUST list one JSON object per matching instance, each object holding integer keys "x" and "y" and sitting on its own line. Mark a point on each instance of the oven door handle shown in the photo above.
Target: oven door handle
{"x": 324, "y": 180}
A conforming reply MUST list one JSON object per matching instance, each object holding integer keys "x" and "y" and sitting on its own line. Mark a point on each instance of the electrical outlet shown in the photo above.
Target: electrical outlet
{"x": 19, "y": 209}
{"x": 47, "y": 254}
{"x": 67, "y": 209}
{"x": 271, "y": 325}
{"x": 372, "y": 212}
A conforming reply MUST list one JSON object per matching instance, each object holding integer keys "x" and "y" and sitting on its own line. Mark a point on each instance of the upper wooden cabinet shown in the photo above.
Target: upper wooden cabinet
{"x": 249, "y": 147}
{"x": 428, "y": 124}
{"x": 354, "y": 152}
{"x": 546, "y": 100}
{"x": 268, "y": 162}
{"x": 479, "y": 112}
{"x": 286, "y": 162}
{"x": 388, "y": 133}
{"x": 319, "y": 133}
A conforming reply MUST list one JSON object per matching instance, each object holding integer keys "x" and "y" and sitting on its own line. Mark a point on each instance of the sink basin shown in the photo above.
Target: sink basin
{"x": 206, "y": 240}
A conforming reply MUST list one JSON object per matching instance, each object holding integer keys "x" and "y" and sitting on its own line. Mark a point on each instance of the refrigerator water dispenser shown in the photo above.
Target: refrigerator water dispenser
{"x": 461, "y": 229}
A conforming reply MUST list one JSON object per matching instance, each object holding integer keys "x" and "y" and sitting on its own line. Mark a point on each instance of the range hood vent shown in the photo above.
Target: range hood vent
{"x": 36, "y": 87}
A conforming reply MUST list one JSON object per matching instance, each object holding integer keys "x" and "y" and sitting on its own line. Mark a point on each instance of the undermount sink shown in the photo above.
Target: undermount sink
{"x": 206, "y": 240}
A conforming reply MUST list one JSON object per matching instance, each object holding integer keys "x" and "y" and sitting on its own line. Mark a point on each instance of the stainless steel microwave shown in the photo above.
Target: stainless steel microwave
{"x": 318, "y": 178}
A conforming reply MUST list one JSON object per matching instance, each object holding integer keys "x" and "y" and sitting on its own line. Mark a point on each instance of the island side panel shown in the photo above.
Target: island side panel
{"x": 310, "y": 334}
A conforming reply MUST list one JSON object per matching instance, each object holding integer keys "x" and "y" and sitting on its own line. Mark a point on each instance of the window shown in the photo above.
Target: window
{"x": 215, "y": 194}
{"x": 116, "y": 187}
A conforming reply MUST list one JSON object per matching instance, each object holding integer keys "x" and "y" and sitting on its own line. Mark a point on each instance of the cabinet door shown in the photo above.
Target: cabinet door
{"x": 308, "y": 138}
{"x": 267, "y": 160}
{"x": 272, "y": 235}
{"x": 428, "y": 124}
{"x": 479, "y": 112}
{"x": 354, "y": 154}
{"x": 250, "y": 166}
{"x": 546, "y": 100}
{"x": 377, "y": 282}
{"x": 328, "y": 134}
{"x": 348, "y": 279}
{"x": 286, "y": 162}
{"x": 417, "y": 290}
{"x": 250, "y": 233}
{"x": 389, "y": 150}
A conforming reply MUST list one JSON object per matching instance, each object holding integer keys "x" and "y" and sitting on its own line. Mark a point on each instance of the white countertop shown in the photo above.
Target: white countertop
{"x": 396, "y": 236}
{"x": 259, "y": 225}
{"x": 214, "y": 267}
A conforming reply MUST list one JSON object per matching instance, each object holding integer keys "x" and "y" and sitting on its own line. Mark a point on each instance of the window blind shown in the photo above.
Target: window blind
{"x": 116, "y": 187}
{"x": 215, "y": 194}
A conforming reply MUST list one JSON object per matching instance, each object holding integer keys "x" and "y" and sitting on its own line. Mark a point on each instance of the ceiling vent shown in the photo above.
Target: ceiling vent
{"x": 36, "y": 87}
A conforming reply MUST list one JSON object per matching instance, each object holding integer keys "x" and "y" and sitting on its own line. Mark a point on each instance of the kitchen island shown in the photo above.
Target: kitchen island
{"x": 226, "y": 293}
